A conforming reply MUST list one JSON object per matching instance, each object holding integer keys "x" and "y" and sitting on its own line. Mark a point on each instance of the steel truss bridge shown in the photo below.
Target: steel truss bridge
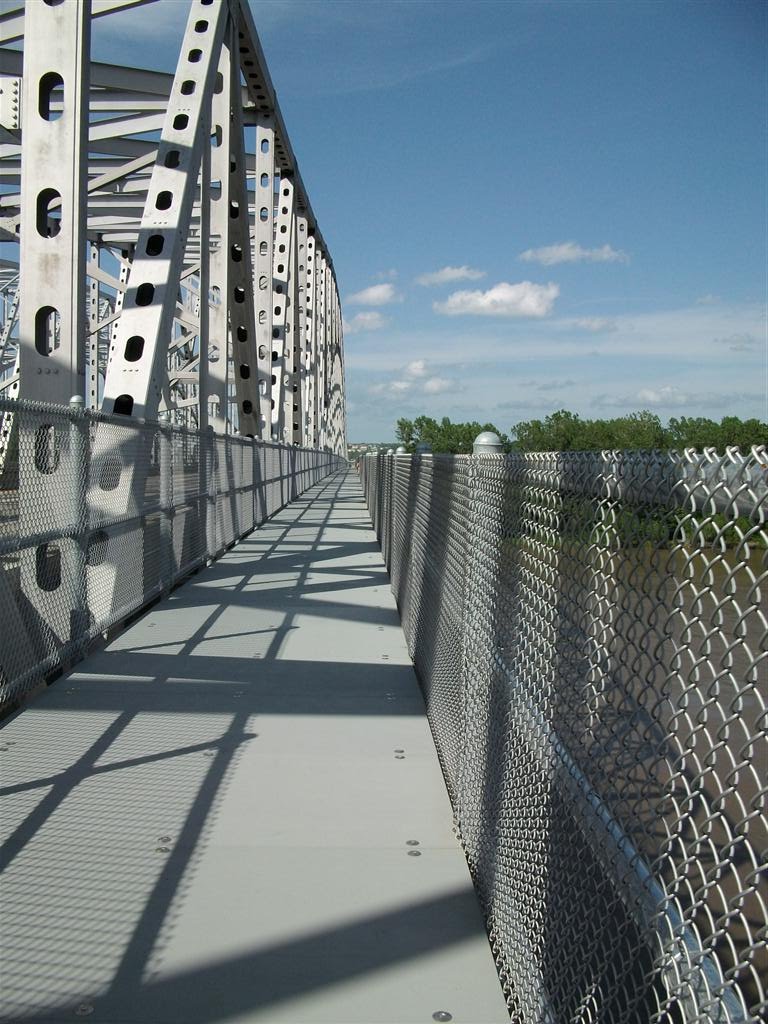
{"x": 467, "y": 739}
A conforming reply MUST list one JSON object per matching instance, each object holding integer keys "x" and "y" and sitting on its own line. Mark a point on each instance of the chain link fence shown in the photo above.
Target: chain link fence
{"x": 589, "y": 636}
{"x": 99, "y": 515}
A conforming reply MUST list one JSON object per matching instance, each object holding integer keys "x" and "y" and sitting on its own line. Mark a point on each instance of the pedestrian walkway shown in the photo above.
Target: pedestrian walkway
{"x": 234, "y": 811}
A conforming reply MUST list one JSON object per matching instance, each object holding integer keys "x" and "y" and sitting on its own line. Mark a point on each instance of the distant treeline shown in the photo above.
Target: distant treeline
{"x": 565, "y": 431}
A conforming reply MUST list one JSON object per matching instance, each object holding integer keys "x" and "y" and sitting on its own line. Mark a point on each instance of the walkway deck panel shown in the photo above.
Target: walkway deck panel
{"x": 234, "y": 811}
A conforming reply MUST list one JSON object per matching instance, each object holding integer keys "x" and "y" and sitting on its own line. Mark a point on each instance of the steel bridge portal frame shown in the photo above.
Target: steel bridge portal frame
{"x": 165, "y": 262}
{"x": 167, "y": 249}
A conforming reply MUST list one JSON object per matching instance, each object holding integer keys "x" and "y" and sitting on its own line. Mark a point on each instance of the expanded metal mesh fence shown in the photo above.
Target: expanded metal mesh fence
{"x": 99, "y": 515}
{"x": 588, "y": 633}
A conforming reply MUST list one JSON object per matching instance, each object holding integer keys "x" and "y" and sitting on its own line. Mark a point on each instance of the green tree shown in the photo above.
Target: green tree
{"x": 444, "y": 437}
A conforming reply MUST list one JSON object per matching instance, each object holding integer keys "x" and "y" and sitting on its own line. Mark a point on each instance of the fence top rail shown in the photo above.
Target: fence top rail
{"x": 77, "y": 413}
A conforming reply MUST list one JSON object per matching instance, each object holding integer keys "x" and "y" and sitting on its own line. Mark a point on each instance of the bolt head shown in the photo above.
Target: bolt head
{"x": 442, "y": 1015}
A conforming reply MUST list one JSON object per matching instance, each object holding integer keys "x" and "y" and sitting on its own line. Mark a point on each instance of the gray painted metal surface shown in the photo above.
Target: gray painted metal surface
{"x": 216, "y": 817}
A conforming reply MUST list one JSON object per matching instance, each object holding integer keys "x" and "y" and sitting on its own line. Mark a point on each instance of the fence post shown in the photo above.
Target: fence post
{"x": 213, "y": 479}
{"x": 78, "y": 454}
{"x": 166, "y": 502}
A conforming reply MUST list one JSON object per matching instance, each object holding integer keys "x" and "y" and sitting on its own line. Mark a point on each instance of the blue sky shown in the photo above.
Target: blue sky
{"x": 530, "y": 205}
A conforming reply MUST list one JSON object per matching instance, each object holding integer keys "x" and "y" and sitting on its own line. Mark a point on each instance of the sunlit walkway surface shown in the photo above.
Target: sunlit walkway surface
{"x": 235, "y": 812}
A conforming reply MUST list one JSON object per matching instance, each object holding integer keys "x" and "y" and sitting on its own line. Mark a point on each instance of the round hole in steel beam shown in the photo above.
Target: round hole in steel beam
{"x": 194, "y": 56}
{"x": 247, "y": 407}
{"x": 164, "y": 200}
{"x": 262, "y": 351}
{"x": 155, "y": 245}
{"x": 180, "y": 122}
{"x": 236, "y": 253}
{"x": 201, "y": 26}
{"x": 218, "y": 83}
{"x": 262, "y": 316}
{"x": 47, "y": 324}
{"x": 96, "y": 553}
{"x": 265, "y": 145}
{"x": 49, "y": 83}
{"x": 47, "y": 449}
{"x": 123, "y": 406}
{"x": 242, "y": 333}
{"x": 48, "y": 225}
{"x": 48, "y": 567}
{"x": 238, "y": 294}
{"x": 134, "y": 348}
{"x": 144, "y": 294}
{"x": 234, "y": 210}
{"x": 110, "y": 471}
{"x": 172, "y": 158}
{"x": 188, "y": 87}
{"x": 263, "y": 213}
{"x": 245, "y": 371}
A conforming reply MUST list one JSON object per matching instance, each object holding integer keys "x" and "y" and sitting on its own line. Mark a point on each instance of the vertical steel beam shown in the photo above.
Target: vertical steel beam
{"x": 136, "y": 373}
{"x": 92, "y": 382}
{"x": 280, "y": 296}
{"x": 53, "y": 208}
{"x": 264, "y": 231}
{"x": 216, "y": 196}
{"x": 240, "y": 297}
{"x": 299, "y": 331}
{"x": 203, "y": 288}
{"x": 310, "y": 362}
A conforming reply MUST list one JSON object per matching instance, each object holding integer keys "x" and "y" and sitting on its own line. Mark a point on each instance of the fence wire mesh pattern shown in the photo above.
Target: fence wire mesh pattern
{"x": 588, "y": 633}
{"x": 98, "y": 516}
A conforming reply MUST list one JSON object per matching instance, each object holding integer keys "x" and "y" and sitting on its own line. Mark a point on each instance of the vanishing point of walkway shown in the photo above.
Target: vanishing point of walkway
{"x": 234, "y": 811}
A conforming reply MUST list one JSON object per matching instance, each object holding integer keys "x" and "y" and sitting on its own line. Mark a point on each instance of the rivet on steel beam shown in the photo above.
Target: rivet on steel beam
{"x": 84, "y": 1009}
{"x": 412, "y": 842}
{"x": 162, "y": 849}
{"x": 414, "y": 853}
{"x": 442, "y": 1015}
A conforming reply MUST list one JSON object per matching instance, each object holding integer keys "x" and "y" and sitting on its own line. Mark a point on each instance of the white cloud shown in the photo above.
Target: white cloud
{"x": 738, "y": 342}
{"x": 666, "y": 395}
{"x": 572, "y": 252}
{"x": 448, "y": 274}
{"x": 437, "y": 385}
{"x": 418, "y": 368}
{"x": 399, "y": 386}
{"x": 707, "y": 300}
{"x": 372, "y": 321}
{"x": 387, "y": 275}
{"x": 504, "y": 299}
{"x": 556, "y": 385}
{"x": 596, "y": 324}
{"x": 376, "y": 295}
